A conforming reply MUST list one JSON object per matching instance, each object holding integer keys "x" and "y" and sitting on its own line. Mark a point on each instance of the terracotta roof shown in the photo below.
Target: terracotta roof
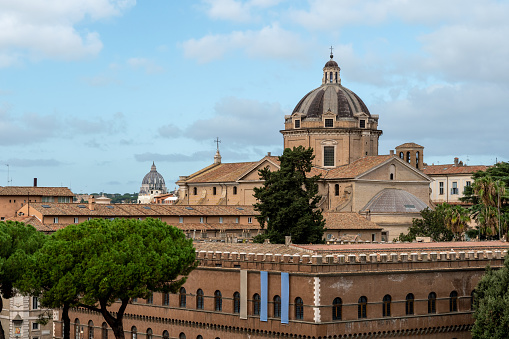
{"x": 409, "y": 144}
{"x": 348, "y": 221}
{"x": 452, "y": 169}
{"x": 32, "y": 220}
{"x": 141, "y": 210}
{"x": 37, "y": 191}
{"x": 357, "y": 167}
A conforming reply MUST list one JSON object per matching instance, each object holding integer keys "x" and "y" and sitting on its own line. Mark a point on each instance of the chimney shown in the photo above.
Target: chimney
{"x": 35, "y": 182}
{"x": 456, "y": 160}
{"x": 391, "y": 152}
{"x": 269, "y": 154}
{"x": 91, "y": 203}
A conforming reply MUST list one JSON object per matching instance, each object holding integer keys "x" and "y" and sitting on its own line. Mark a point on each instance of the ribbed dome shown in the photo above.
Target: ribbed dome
{"x": 331, "y": 63}
{"x": 392, "y": 200}
{"x": 153, "y": 178}
{"x": 335, "y": 97}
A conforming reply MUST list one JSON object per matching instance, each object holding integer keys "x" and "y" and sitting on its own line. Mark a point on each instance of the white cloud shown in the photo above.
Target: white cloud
{"x": 234, "y": 10}
{"x": 269, "y": 42}
{"x": 237, "y": 122}
{"x": 149, "y": 66}
{"x": 46, "y": 29}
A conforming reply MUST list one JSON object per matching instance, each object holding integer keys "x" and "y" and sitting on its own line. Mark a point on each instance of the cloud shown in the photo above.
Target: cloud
{"x": 269, "y": 42}
{"x": 173, "y": 157}
{"x": 97, "y": 125}
{"x": 237, "y": 122}
{"x": 47, "y": 29}
{"x": 149, "y": 66}
{"x": 236, "y": 11}
{"x": 448, "y": 119}
{"x": 33, "y": 162}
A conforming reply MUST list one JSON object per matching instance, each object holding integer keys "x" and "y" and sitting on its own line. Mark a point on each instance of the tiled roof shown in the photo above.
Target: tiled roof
{"x": 357, "y": 167}
{"x": 32, "y": 220}
{"x": 348, "y": 221}
{"x": 37, "y": 191}
{"x": 409, "y": 144}
{"x": 452, "y": 169}
{"x": 225, "y": 172}
{"x": 141, "y": 210}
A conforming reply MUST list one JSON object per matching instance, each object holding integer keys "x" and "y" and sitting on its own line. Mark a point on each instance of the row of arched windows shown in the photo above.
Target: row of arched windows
{"x": 362, "y": 305}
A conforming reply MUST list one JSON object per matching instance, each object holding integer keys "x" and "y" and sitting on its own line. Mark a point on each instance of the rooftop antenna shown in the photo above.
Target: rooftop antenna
{"x": 8, "y": 181}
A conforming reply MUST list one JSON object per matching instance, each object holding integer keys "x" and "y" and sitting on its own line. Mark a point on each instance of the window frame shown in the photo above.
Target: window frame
{"x": 218, "y": 301}
{"x": 182, "y": 297}
{"x": 329, "y": 156}
{"x": 453, "y": 301}
{"x": 409, "y": 304}
{"x": 362, "y": 308}
{"x": 337, "y": 308}
{"x": 386, "y": 305}
{"x": 328, "y": 123}
{"x": 432, "y": 303}
{"x": 256, "y": 304}
{"x": 299, "y": 309}
{"x": 199, "y": 299}
{"x": 236, "y": 302}
{"x": 276, "y": 307}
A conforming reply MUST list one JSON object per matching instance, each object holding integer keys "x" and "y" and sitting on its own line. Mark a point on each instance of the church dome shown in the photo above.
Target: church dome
{"x": 331, "y": 95}
{"x": 153, "y": 179}
{"x": 392, "y": 200}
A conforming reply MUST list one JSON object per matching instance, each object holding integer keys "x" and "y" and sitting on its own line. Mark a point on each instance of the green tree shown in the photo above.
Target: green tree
{"x": 98, "y": 262}
{"x": 491, "y": 304}
{"x": 288, "y": 200}
{"x": 456, "y": 218}
{"x": 17, "y": 243}
{"x": 488, "y": 195}
{"x": 432, "y": 224}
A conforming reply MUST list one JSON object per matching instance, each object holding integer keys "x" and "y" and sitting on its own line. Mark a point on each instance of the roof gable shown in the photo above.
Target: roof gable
{"x": 252, "y": 173}
{"x": 403, "y": 171}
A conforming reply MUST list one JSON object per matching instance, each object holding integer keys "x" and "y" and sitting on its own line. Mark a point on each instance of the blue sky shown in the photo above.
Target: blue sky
{"x": 93, "y": 91}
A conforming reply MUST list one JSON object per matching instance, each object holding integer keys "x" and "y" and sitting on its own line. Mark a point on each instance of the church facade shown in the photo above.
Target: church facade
{"x": 389, "y": 189}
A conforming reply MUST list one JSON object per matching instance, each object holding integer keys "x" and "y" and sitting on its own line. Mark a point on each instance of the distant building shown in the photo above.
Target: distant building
{"x": 12, "y": 198}
{"x": 151, "y": 186}
{"x": 450, "y": 180}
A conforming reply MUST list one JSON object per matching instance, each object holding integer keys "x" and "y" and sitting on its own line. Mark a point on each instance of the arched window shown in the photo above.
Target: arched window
{"x": 256, "y": 304}
{"x": 134, "y": 332}
{"x": 104, "y": 330}
{"x": 299, "y": 308}
{"x": 432, "y": 302}
{"x": 362, "y": 308}
{"x": 149, "y": 333}
{"x": 391, "y": 176}
{"x": 195, "y": 191}
{"x": 182, "y": 297}
{"x": 392, "y": 171}
{"x": 166, "y": 335}
{"x": 408, "y": 157}
{"x": 182, "y": 335}
{"x": 234, "y": 189}
{"x": 199, "y": 337}
{"x": 386, "y": 310}
{"x": 218, "y": 301}
{"x": 166, "y": 299}
{"x": 90, "y": 329}
{"x": 453, "y": 301}
{"x": 236, "y": 302}
{"x": 409, "y": 304}
{"x": 330, "y": 77}
{"x": 336, "y": 189}
{"x": 417, "y": 159}
{"x": 277, "y": 306}
{"x": 472, "y": 298}
{"x": 337, "y": 305}
{"x": 199, "y": 299}
{"x": 76, "y": 328}
{"x": 401, "y": 155}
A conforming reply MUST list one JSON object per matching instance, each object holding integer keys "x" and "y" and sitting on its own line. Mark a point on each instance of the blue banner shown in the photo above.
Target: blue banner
{"x": 285, "y": 297}
{"x": 264, "y": 291}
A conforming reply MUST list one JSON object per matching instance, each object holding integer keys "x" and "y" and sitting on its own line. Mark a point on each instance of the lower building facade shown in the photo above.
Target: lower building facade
{"x": 277, "y": 291}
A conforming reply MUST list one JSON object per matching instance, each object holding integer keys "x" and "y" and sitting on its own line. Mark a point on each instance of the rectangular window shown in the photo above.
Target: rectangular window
{"x": 181, "y": 220}
{"x": 373, "y": 237}
{"x": 220, "y": 220}
{"x": 201, "y": 220}
{"x": 328, "y": 155}
{"x": 35, "y": 303}
{"x": 35, "y": 326}
{"x": 362, "y": 123}
{"x": 237, "y": 220}
{"x": 329, "y": 123}
{"x": 297, "y": 123}
{"x": 454, "y": 189}
{"x": 249, "y": 220}
{"x": 76, "y": 220}
{"x": 55, "y": 220}
{"x": 64, "y": 199}
{"x": 441, "y": 188}
{"x": 47, "y": 199}
{"x": 468, "y": 183}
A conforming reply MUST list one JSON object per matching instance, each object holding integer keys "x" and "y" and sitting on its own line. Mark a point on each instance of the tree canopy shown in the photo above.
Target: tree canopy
{"x": 491, "y": 304}
{"x": 98, "y": 262}
{"x": 17, "y": 243}
{"x": 288, "y": 200}
{"x": 433, "y": 224}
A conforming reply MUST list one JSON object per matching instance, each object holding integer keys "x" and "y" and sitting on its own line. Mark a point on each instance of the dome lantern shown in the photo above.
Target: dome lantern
{"x": 331, "y": 72}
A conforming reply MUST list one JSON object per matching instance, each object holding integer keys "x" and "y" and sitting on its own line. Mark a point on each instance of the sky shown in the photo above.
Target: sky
{"x": 93, "y": 91}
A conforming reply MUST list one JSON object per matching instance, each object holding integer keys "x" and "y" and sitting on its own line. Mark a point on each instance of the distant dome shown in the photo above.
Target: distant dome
{"x": 153, "y": 179}
{"x": 331, "y": 96}
{"x": 392, "y": 200}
